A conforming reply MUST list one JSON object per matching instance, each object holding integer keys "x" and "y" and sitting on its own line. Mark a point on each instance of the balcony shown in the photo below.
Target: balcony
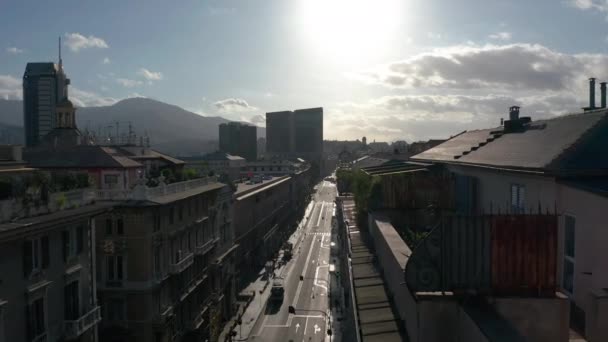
{"x": 200, "y": 317}
{"x": 181, "y": 265}
{"x": 206, "y": 247}
{"x": 73, "y": 329}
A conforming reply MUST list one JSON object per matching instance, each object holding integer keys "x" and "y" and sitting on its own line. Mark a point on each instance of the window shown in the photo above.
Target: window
{"x": 518, "y": 196}
{"x": 36, "y": 255}
{"x": 156, "y": 225}
{"x": 72, "y": 242}
{"x": 190, "y": 205}
{"x": 157, "y": 261}
{"x": 36, "y": 314}
{"x": 115, "y": 309}
{"x": 114, "y": 268}
{"x": 120, "y": 227}
{"x": 108, "y": 226}
{"x": 569, "y": 253}
{"x": 111, "y": 181}
{"x": 171, "y": 215}
{"x": 71, "y": 301}
{"x": 180, "y": 212}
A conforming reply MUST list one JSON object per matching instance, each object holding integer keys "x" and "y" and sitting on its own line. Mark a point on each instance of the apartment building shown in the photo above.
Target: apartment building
{"x": 47, "y": 267}
{"x": 166, "y": 264}
{"x": 557, "y": 166}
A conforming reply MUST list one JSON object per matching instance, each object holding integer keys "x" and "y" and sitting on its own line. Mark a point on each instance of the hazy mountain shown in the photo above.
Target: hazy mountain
{"x": 171, "y": 129}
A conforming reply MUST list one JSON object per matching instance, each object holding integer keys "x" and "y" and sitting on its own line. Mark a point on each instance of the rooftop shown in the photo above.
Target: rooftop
{"x": 81, "y": 156}
{"x": 246, "y": 189}
{"x": 377, "y": 320}
{"x": 571, "y": 143}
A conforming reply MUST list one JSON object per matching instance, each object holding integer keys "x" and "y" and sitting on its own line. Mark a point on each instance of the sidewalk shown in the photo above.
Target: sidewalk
{"x": 261, "y": 287}
{"x": 336, "y": 297}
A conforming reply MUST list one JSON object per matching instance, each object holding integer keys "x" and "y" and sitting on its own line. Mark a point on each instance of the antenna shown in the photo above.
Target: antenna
{"x": 60, "y": 61}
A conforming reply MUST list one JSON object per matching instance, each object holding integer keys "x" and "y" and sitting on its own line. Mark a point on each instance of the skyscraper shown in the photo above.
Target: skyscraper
{"x": 44, "y": 85}
{"x": 308, "y": 129}
{"x": 297, "y": 134}
{"x": 279, "y": 133}
{"x": 239, "y": 139}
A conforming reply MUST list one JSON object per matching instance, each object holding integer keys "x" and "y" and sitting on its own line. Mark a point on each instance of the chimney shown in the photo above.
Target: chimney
{"x": 591, "y": 93}
{"x": 513, "y": 113}
{"x": 603, "y": 89}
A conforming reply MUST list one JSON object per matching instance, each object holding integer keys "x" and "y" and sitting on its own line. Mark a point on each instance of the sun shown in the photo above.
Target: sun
{"x": 350, "y": 31}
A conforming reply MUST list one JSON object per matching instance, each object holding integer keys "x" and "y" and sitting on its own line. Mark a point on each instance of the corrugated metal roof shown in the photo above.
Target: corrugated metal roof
{"x": 543, "y": 144}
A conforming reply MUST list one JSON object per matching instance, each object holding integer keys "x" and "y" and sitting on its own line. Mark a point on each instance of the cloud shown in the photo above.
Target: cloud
{"x": 501, "y": 36}
{"x": 14, "y": 50}
{"x": 515, "y": 67}
{"x": 598, "y": 5}
{"x": 106, "y": 60}
{"x": 258, "y": 120}
{"x": 128, "y": 83}
{"x": 82, "y": 98}
{"x": 150, "y": 75}
{"x": 76, "y": 42}
{"x": 233, "y": 105}
{"x": 10, "y": 88}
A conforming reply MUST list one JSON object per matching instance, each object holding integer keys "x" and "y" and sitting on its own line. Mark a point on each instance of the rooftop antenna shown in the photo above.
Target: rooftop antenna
{"x": 60, "y": 61}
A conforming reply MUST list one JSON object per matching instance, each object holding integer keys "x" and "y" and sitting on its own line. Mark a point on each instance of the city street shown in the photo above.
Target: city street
{"x": 308, "y": 296}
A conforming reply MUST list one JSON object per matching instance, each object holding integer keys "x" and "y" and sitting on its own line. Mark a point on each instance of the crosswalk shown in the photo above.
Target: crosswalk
{"x": 319, "y": 234}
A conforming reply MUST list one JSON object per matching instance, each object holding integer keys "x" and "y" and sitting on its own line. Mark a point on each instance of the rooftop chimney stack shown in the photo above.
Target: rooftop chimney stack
{"x": 514, "y": 113}
{"x": 603, "y": 90}
{"x": 592, "y": 93}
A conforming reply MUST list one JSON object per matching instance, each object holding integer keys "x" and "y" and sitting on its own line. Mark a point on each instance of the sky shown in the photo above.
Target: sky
{"x": 385, "y": 69}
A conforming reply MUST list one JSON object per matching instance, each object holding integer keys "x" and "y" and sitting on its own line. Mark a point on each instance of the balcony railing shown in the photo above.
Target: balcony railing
{"x": 181, "y": 265}
{"x": 142, "y": 192}
{"x": 206, "y": 247}
{"x": 73, "y": 329}
{"x": 198, "y": 320}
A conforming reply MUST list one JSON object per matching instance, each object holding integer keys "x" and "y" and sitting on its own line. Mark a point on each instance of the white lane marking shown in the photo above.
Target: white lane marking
{"x": 317, "y": 329}
{"x": 299, "y": 289}
{"x": 316, "y": 281}
{"x": 305, "y": 325}
{"x": 320, "y": 213}
{"x": 297, "y": 327}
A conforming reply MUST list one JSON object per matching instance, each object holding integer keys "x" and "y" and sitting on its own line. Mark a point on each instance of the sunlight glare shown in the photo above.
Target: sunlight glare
{"x": 350, "y": 31}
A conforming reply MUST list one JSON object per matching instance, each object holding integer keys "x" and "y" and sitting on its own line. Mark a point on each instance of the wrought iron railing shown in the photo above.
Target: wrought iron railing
{"x": 75, "y": 328}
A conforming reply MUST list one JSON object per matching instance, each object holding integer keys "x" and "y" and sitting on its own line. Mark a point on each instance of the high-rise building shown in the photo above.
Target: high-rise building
{"x": 239, "y": 139}
{"x": 279, "y": 133}
{"x": 308, "y": 129}
{"x": 295, "y": 134}
{"x": 44, "y": 85}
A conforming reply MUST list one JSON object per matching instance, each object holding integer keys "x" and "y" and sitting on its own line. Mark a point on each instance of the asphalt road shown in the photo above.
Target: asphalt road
{"x": 309, "y": 297}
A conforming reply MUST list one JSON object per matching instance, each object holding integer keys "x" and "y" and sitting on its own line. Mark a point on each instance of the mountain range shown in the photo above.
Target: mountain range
{"x": 171, "y": 129}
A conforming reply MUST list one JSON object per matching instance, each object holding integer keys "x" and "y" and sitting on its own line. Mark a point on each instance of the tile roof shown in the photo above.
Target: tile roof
{"x": 138, "y": 152}
{"x": 83, "y": 156}
{"x": 569, "y": 142}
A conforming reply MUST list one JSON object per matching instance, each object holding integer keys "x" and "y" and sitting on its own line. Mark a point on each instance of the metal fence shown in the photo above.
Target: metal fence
{"x": 504, "y": 254}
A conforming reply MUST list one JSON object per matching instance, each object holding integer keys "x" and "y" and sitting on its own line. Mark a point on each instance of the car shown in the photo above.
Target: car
{"x": 277, "y": 291}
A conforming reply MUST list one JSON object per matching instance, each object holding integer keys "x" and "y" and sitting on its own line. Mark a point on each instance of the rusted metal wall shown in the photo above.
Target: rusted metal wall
{"x": 488, "y": 254}
{"x": 524, "y": 255}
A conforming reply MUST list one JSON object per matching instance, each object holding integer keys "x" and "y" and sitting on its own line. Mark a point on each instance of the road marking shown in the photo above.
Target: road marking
{"x": 299, "y": 289}
{"x": 315, "y": 282}
{"x": 320, "y": 213}
{"x": 297, "y": 327}
{"x": 305, "y": 325}
{"x": 317, "y": 329}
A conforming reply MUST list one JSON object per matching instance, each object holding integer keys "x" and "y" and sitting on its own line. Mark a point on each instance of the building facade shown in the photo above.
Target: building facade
{"x": 47, "y": 273}
{"x": 166, "y": 264}
{"x": 279, "y": 133}
{"x": 239, "y": 139}
{"x": 44, "y": 86}
{"x": 549, "y": 166}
